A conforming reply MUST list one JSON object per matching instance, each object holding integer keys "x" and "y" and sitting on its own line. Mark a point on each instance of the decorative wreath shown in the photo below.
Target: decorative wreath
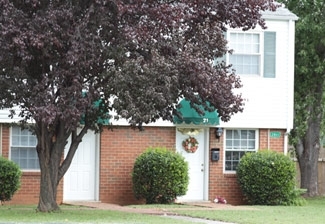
{"x": 190, "y": 144}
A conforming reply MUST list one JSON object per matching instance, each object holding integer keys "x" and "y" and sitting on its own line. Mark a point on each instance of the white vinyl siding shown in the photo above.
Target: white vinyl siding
{"x": 22, "y": 150}
{"x": 268, "y": 96}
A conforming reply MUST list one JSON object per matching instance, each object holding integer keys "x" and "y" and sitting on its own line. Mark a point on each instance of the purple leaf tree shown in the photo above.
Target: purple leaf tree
{"x": 136, "y": 57}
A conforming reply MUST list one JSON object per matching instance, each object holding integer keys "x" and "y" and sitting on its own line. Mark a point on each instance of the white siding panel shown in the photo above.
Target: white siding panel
{"x": 268, "y": 100}
{"x": 4, "y": 117}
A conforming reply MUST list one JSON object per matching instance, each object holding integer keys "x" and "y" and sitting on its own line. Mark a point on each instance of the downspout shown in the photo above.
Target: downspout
{"x": 206, "y": 164}
{"x": 268, "y": 139}
{"x": 290, "y": 100}
{"x": 285, "y": 147}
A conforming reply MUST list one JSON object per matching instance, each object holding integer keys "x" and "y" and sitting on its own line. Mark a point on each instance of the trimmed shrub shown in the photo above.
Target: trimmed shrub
{"x": 267, "y": 178}
{"x": 9, "y": 179}
{"x": 159, "y": 176}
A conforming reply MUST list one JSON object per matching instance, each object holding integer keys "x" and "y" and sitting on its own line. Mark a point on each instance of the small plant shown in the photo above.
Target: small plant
{"x": 9, "y": 179}
{"x": 268, "y": 178}
{"x": 159, "y": 176}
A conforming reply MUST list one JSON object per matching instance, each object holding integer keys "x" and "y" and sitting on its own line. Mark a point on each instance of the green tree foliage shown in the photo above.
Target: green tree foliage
{"x": 159, "y": 176}
{"x": 309, "y": 87}
{"x": 267, "y": 178}
{"x": 139, "y": 57}
{"x": 10, "y": 175}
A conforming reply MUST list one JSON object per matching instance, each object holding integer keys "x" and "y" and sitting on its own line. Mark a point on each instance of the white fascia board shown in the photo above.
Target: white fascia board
{"x": 280, "y": 14}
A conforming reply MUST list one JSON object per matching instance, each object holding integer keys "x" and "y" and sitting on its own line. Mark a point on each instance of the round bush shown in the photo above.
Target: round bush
{"x": 159, "y": 176}
{"x": 9, "y": 179}
{"x": 267, "y": 178}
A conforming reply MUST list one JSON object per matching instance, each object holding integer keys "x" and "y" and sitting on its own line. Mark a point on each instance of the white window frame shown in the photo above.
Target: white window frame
{"x": 255, "y": 149}
{"x": 259, "y": 54}
{"x": 31, "y": 145}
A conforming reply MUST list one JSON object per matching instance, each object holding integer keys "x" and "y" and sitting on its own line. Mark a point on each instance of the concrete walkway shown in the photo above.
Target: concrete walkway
{"x": 161, "y": 211}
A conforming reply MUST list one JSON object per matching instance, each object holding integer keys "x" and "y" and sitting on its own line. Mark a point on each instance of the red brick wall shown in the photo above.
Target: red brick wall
{"x": 225, "y": 185}
{"x": 266, "y": 142}
{"x": 119, "y": 149}
{"x": 220, "y": 184}
{"x": 30, "y": 181}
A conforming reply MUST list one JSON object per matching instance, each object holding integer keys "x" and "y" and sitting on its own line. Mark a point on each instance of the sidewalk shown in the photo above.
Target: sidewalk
{"x": 162, "y": 211}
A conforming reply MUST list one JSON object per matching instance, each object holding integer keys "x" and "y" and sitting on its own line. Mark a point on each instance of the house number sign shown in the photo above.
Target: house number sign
{"x": 275, "y": 134}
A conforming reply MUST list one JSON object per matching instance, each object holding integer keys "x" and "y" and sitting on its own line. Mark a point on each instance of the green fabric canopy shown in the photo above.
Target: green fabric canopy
{"x": 96, "y": 104}
{"x": 190, "y": 115}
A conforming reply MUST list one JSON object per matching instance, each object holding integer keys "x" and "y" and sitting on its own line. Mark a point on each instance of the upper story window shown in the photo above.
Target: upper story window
{"x": 247, "y": 53}
{"x": 254, "y": 53}
{"x": 22, "y": 149}
{"x": 238, "y": 142}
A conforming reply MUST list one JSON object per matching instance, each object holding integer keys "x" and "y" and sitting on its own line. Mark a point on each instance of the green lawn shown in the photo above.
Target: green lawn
{"x": 313, "y": 212}
{"x": 69, "y": 214}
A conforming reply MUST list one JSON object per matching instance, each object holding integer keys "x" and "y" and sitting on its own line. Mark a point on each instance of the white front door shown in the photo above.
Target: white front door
{"x": 80, "y": 179}
{"x": 197, "y": 166}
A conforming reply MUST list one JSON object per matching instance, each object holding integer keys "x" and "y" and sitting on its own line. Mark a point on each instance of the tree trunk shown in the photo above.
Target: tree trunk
{"x": 50, "y": 150}
{"x": 308, "y": 153}
{"x": 48, "y": 190}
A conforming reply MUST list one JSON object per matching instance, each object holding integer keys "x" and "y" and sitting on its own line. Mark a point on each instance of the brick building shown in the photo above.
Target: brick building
{"x": 101, "y": 168}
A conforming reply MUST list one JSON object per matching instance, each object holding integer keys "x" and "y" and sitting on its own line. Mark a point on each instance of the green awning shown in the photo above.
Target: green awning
{"x": 100, "y": 120}
{"x": 190, "y": 115}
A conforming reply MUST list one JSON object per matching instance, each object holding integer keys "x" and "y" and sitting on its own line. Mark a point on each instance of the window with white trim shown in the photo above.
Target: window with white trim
{"x": 238, "y": 142}
{"x": 254, "y": 53}
{"x": 22, "y": 149}
{"x": 247, "y": 53}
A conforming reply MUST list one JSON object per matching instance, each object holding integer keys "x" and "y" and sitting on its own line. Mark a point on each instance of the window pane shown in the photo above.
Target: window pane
{"x": 32, "y": 140}
{"x": 237, "y": 144}
{"x": 23, "y": 150}
{"x": 24, "y": 141}
{"x": 234, "y": 165}
{"x": 245, "y": 64}
{"x": 229, "y": 144}
{"x": 14, "y": 153}
{"x": 235, "y": 155}
{"x": 251, "y": 134}
{"x": 243, "y": 144}
{"x": 22, "y": 163}
{"x": 23, "y": 153}
{"x": 228, "y": 166}
{"x": 26, "y": 158}
{"x": 228, "y": 155}
{"x": 236, "y": 134}
{"x": 15, "y": 140}
{"x": 251, "y": 144}
{"x": 229, "y": 135}
{"x": 244, "y": 134}
{"x": 246, "y": 56}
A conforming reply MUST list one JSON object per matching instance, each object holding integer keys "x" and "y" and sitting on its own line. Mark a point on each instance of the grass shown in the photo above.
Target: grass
{"x": 313, "y": 212}
{"x": 164, "y": 206}
{"x": 75, "y": 214}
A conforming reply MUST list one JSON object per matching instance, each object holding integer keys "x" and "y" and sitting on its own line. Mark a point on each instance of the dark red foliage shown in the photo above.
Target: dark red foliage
{"x": 147, "y": 53}
{"x": 139, "y": 56}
